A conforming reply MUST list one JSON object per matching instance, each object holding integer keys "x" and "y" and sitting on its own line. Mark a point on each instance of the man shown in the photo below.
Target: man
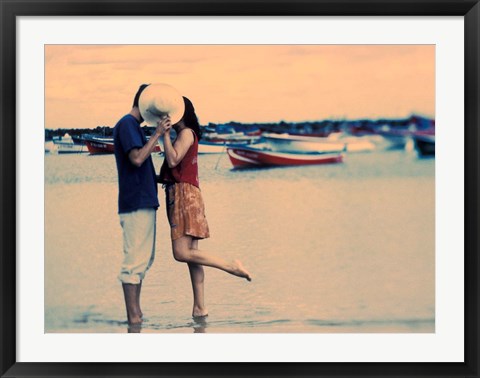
{"x": 137, "y": 203}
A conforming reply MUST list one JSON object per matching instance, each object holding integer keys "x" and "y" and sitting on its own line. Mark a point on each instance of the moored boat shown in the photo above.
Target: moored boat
{"x": 228, "y": 135}
{"x": 205, "y": 147}
{"x": 424, "y": 144}
{"x": 394, "y": 141}
{"x": 99, "y": 145}
{"x": 260, "y": 155}
{"x": 66, "y": 145}
{"x": 50, "y": 147}
{"x": 395, "y": 138}
{"x": 354, "y": 143}
{"x": 302, "y": 144}
{"x": 230, "y": 138}
{"x": 358, "y": 144}
{"x": 211, "y": 147}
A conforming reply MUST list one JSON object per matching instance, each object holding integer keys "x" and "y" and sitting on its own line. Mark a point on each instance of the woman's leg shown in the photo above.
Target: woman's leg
{"x": 183, "y": 252}
{"x": 197, "y": 275}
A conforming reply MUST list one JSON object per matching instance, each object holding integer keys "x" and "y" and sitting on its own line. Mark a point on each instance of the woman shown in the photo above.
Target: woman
{"x": 184, "y": 205}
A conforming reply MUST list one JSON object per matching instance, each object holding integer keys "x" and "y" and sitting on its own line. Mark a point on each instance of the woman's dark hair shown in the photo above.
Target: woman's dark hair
{"x": 137, "y": 96}
{"x": 190, "y": 118}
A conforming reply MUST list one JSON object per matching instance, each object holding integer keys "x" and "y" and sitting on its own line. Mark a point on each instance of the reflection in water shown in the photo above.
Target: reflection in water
{"x": 134, "y": 328}
{"x": 199, "y": 324}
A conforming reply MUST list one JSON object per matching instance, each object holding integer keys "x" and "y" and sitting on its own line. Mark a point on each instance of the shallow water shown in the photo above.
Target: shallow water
{"x": 336, "y": 248}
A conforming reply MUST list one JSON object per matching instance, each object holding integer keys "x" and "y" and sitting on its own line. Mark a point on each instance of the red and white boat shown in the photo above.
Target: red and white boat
{"x": 99, "y": 145}
{"x": 260, "y": 155}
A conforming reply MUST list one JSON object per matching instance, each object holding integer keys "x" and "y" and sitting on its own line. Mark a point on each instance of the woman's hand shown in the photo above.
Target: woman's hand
{"x": 163, "y": 126}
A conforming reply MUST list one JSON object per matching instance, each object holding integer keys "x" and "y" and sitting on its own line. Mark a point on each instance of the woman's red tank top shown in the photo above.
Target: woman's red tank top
{"x": 186, "y": 170}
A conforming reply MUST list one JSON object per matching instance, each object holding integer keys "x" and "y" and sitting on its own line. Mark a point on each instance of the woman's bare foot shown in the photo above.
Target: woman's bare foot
{"x": 199, "y": 312}
{"x": 240, "y": 271}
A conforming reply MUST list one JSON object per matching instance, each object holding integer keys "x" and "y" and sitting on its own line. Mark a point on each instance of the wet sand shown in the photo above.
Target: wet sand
{"x": 338, "y": 248}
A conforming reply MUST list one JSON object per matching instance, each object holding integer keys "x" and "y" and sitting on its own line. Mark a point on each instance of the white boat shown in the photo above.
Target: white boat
{"x": 353, "y": 143}
{"x": 228, "y": 135}
{"x": 66, "y": 145}
{"x": 50, "y": 147}
{"x": 206, "y": 147}
{"x": 395, "y": 139}
{"x": 225, "y": 136}
{"x": 211, "y": 147}
{"x": 358, "y": 144}
{"x": 300, "y": 143}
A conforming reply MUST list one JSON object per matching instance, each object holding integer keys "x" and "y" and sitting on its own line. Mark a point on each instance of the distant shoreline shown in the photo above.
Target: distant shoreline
{"x": 309, "y": 127}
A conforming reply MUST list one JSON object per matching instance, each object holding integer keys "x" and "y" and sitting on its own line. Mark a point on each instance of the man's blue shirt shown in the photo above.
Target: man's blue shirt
{"x": 137, "y": 185}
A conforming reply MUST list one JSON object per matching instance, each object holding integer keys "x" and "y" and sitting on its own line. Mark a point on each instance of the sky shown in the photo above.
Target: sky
{"x": 93, "y": 85}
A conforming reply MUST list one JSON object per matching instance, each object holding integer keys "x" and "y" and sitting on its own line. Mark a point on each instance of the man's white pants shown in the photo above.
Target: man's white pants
{"x": 138, "y": 244}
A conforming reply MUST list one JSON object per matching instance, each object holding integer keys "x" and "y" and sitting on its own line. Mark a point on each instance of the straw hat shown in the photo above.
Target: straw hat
{"x": 158, "y": 100}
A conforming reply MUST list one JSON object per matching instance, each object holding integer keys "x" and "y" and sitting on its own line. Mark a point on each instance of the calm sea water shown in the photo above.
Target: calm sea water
{"x": 334, "y": 248}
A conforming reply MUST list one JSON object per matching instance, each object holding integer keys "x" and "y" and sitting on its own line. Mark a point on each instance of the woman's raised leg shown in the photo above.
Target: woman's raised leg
{"x": 183, "y": 252}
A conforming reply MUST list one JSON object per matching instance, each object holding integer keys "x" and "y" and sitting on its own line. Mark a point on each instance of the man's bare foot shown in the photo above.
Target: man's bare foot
{"x": 135, "y": 328}
{"x": 240, "y": 271}
{"x": 135, "y": 321}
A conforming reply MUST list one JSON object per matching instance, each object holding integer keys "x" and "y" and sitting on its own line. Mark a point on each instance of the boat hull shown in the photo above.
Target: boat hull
{"x": 299, "y": 144}
{"x": 99, "y": 147}
{"x": 247, "y": 157}
{"x": 69, "y": 148}
{"x": 394, "y": 140}
{"x": 425, "y": 144}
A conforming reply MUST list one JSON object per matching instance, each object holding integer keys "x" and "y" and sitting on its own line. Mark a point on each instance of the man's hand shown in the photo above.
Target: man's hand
{"x": 163, "y": 126}
{"x": 138, "y": 155}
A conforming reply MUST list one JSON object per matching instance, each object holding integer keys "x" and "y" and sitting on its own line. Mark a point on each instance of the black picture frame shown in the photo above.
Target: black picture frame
{"x": 9, "y": 367}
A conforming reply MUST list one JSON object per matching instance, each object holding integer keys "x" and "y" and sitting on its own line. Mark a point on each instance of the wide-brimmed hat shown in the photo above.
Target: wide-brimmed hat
{"x": 158, "y": 100}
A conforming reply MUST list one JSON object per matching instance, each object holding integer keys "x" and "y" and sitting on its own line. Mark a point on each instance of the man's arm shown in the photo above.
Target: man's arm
{"x": 138, "y": 156}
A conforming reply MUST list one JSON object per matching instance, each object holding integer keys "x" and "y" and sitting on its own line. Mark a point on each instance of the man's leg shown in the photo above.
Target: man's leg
{"x": 139, "y": 289}
{"x": 139, "y": 251}
{"x": 131, "y": 294}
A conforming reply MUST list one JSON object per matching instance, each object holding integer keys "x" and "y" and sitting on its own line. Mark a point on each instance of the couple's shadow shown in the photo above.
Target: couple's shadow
{"x": 199, "y": 325}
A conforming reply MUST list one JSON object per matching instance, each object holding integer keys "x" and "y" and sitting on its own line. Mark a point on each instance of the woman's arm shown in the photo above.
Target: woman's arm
{"x": 138, "y": 156}
{"x": 174, "y": 153}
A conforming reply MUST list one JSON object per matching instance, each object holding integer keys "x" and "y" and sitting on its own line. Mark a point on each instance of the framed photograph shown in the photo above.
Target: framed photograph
{"x": 308, "y": 224}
